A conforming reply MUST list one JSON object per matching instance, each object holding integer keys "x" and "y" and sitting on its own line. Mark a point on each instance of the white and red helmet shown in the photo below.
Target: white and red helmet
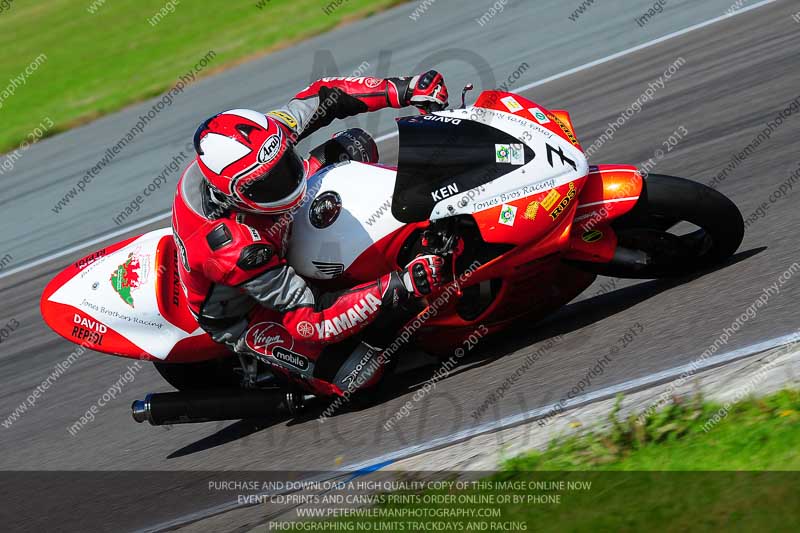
{"x": 248, "y": 158}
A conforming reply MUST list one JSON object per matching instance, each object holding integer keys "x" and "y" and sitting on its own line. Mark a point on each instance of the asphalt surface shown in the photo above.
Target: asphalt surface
{"x": 446, "y": 36}
{"x": 736, "y": 76}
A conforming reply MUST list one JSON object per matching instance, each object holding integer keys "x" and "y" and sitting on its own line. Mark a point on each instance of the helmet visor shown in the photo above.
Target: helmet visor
{"x": 277, "y": 183}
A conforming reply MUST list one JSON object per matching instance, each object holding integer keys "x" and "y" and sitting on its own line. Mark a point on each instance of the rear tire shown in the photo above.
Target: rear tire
{"x": 646, "y": 248}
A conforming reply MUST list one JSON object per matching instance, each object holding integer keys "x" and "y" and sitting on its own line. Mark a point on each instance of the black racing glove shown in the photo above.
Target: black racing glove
{"x": 423, "y": 275}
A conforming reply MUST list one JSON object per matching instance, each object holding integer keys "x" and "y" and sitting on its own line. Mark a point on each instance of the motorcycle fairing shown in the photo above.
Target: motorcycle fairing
{"x": 443, "y": 154}
{"x": 364, "y": 219}
{"x": 564, "y": 121}
{"x": 113, "y": 302}
{"x": 610, "y": 192}
{"x": 537, "y": 198}
{"x": 349, "y": 248}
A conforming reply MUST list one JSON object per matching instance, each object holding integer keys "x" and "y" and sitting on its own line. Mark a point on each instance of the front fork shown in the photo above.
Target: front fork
{"x": 443, "y": 239}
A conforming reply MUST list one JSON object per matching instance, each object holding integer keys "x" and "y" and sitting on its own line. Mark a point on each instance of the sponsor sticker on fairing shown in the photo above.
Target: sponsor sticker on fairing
{"x": 539, "y": 115}
{"x": 567, "y": 131}
{"x": 89, "y": 259}
{"x": 511, "y": 104}
{"x": 444, "y": 192}
{"x": 446, "y": 120}
{"x": 88, "y": 330}
{"x": 130, "y": 276}
{"x": 90, "y": 324}
{"x": 530, "y": 211}
{"x": 508, "y": 214}
{"x": 509, "y": 153}
{"x": 592, "y": 236}
{"x": 564, "y": 202}
{"x": 551, "y": 199}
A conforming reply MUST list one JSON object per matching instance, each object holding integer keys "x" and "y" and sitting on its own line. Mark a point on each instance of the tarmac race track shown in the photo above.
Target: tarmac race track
{"x": 734, "y": 77}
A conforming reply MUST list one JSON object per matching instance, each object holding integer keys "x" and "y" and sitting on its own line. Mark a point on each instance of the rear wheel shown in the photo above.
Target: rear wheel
{"x": 677, "y": 227}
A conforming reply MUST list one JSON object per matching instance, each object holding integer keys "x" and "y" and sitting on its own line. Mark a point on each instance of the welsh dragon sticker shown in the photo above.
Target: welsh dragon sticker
{"x": 129, "y": 276}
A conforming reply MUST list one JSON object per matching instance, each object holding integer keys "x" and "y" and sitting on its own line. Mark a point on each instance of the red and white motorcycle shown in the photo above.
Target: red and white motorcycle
{"x": 503, "y": 184}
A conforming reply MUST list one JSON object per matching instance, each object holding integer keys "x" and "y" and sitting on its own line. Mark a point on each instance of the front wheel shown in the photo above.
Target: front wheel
{"x": 677, "y": 227}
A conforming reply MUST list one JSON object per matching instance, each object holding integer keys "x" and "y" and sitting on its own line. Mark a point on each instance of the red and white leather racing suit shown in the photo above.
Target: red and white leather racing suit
{"x": 236, "y": 278}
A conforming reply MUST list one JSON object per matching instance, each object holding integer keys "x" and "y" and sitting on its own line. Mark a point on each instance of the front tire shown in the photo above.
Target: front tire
{"x": 648, "y": 250}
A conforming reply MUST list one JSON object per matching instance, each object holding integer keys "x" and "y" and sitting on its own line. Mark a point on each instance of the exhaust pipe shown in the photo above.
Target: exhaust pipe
{"x": 206, "y": 406}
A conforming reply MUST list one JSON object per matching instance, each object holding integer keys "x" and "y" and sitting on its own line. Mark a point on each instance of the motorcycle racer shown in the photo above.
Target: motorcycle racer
{"x": 227, "y": 224}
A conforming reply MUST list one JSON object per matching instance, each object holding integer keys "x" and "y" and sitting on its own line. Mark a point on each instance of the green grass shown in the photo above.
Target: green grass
{"x": 678, "y": 447}
{"x": 756, "y": 434}
{"x": 672, "y": 473}
{"x": 98, "y": 63}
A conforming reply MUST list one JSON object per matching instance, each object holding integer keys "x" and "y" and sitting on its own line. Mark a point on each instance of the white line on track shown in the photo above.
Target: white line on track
{"x": 81, "y": 246}
{"x": 608, "y": 392}
{"x": 382, "y": 138}
{"x": 623, "y": 53}
{"x": 509, "y": 421}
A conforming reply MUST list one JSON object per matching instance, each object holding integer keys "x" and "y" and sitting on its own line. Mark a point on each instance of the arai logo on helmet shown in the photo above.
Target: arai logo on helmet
{"x": 270, "y": 149}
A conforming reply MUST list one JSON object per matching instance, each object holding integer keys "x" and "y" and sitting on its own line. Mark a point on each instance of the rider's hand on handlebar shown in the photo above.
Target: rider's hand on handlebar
{"x": 423, "y": 275}
{"x": 428, "y": 92}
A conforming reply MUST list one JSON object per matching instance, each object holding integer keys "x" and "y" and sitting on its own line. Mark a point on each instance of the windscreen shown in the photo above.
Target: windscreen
{"x": 442, "y": 156}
